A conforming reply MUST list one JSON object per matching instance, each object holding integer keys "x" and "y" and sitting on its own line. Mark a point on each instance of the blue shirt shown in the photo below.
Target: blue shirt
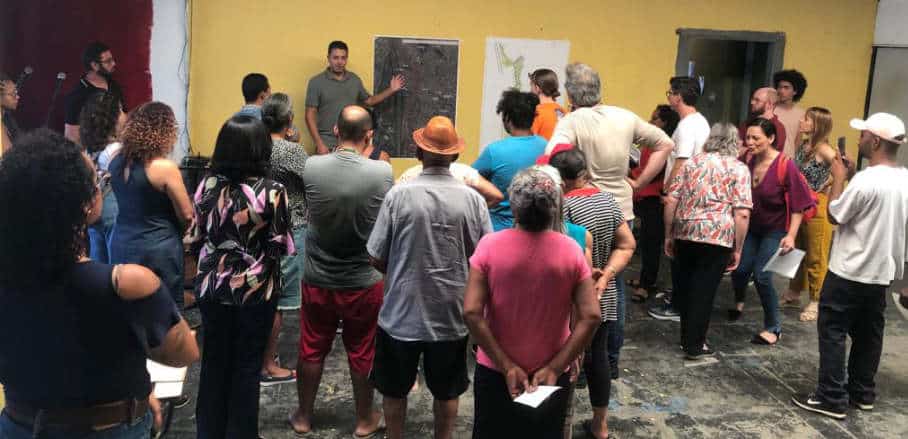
{"x": 577, "y": 233}
{"x": 251, "y": 111}
{"x": 499, "y": 162}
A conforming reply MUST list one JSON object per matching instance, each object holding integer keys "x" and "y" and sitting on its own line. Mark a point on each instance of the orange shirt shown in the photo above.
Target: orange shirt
{"x": 547, "y": 116}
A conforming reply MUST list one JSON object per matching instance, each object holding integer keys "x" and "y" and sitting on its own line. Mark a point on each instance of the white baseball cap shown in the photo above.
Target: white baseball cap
{"x": 884, "y": 125}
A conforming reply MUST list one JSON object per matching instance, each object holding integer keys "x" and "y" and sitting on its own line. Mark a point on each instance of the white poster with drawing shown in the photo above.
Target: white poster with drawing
{"x": 509, "y": 62}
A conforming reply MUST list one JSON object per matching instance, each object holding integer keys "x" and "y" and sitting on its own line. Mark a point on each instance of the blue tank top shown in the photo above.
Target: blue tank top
{"x": 143, "y": 210}
{"x": 76, "y": 343}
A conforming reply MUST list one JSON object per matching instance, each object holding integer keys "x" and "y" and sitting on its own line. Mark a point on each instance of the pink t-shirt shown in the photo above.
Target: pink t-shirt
{"x": 531, "y": 278}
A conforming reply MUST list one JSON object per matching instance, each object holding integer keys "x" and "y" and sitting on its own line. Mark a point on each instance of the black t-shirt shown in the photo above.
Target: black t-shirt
{"x": 77, "y": 97}
{"x": 76, "y": 343}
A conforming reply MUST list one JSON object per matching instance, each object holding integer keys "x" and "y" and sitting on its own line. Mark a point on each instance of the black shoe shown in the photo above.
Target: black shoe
{"x": 813, "y": 404}
{"x": 704, "y": 352}
{"x": 863, "y": 406}
{"x": 664, "y": 312}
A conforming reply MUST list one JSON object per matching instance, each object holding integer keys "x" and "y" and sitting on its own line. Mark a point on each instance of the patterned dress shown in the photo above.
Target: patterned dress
{"x": 242, "y": 231}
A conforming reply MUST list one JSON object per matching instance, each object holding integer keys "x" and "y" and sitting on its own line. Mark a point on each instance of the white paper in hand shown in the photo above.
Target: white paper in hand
{"x": 785, "y": 265}
{"x": 538, "y": 397}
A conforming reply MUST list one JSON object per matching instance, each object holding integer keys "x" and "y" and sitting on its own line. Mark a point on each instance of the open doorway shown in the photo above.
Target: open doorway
{"x": 730, "y": 66}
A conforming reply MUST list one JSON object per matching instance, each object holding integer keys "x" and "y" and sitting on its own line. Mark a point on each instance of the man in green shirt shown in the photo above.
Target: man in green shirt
{"x": 332, "y": 90}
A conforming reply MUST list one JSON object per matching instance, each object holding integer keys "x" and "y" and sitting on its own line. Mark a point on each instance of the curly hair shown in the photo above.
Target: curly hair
{"x": 793, "y": 77}
{"x": 98, "y": 120}
{"x": 149, "y": 133}
{"x": 39, "y": 246}
{"x": 518, "y": 108}
{"x": 535, "y": 200}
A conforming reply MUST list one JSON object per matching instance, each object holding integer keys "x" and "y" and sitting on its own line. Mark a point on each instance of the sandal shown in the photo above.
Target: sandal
{"x": 375, "y": 434}
{"x": 266, "y": 379}
{"x": 759, "y": 340}
{"x": 810, "y": 312}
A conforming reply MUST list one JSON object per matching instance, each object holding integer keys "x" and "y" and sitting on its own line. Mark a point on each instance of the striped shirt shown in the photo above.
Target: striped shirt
{"x": 600, "y": 214}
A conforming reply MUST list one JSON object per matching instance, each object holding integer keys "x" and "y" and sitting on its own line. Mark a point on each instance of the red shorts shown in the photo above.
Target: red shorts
{"x": 319, "y": 314}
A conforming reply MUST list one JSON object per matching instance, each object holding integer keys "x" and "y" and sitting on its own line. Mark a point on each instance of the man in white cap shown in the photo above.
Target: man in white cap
{"x": 868, "y": 253}
{"x": 424, "y": 235}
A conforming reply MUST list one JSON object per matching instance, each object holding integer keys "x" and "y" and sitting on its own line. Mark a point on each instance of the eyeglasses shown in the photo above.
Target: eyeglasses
{"x": 671, "y": 93}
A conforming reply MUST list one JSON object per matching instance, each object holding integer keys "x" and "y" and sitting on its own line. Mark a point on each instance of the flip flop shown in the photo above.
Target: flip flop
{"x": 378, "y": 433}
{"x": 271, "y": 380}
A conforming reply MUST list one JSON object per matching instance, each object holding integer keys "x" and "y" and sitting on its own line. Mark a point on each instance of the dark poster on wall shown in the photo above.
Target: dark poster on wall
{"x": 430, "y": 69}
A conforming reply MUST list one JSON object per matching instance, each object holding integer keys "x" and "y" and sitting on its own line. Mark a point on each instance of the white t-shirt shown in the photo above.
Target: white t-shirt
{"x": 870, "y": 244}
{"x": 460, "y": 171}
{"x": 689, "y": 137}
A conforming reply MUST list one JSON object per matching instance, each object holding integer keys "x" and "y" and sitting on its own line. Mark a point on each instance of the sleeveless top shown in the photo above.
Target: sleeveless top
{"x": 144, "y": 210}
{"x": 76, "y": 343}
{"x": 815, "y": 172}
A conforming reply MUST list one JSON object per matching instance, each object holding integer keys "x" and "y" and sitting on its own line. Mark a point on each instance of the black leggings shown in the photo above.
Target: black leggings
{"x": 596, "y": 368}
{"x": 497, "y": 416}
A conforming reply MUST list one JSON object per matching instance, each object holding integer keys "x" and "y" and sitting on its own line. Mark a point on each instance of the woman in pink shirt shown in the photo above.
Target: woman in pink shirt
{"x": 525, "y": 284}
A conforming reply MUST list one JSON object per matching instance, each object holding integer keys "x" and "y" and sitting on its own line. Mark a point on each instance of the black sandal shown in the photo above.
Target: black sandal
{"x": 764, "y": 342}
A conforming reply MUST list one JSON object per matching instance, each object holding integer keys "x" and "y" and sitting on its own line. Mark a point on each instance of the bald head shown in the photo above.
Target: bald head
{"x": 353, "y": 124}
{"x": 763, "y": 102}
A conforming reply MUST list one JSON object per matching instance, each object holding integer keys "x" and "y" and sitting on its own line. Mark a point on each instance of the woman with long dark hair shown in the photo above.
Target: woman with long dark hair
{"x": 100, "y": 124}
{"x": 242, "y": 230}
{"x": 78, "y": 331}
{"x": 154, "y": 206}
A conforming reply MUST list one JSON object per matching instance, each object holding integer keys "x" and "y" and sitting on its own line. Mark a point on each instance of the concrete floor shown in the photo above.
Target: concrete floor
{"x": 744, "y": 393}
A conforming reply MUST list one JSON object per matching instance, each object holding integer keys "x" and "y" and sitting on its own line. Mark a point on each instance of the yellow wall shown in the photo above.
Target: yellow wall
{"x": 632, "y": 43}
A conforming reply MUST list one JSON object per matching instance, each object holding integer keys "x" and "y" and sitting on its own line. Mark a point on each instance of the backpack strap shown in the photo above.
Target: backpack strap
{"x": 782, "y": 172}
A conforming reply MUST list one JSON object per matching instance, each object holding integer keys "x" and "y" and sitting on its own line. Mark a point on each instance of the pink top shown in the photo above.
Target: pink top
{"x": 531, "y": 279}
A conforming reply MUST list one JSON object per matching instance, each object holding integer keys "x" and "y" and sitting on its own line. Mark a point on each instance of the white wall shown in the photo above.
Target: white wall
{"x": 170, "y": 64}
{"x": 891, "y": 23}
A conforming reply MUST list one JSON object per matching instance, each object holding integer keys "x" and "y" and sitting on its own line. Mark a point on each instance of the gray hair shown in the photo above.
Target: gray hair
{"x": 277, "y": 112}
{"x": 723, "y": 139}
{"x": 582, "y": 85}
{"x": 536, "y": 200}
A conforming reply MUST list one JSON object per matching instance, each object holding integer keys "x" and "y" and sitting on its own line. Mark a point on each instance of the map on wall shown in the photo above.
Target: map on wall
{"x": 509, "y": 62}
{"x": 429, "y": 67}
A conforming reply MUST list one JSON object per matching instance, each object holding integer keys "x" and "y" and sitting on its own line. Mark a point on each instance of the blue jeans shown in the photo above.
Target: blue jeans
{"x": 99, "y": 233}
{"x": 758, "y": 249}
{"x": 292, "y": 273}
{"x": 140, "y": 429}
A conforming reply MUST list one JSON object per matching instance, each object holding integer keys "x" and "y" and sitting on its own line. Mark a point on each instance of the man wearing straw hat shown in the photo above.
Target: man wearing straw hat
{"x": 425, "y": 232}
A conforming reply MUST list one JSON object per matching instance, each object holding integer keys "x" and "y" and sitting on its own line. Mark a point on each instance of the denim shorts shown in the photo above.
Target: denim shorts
{"x": 292, "y": 273}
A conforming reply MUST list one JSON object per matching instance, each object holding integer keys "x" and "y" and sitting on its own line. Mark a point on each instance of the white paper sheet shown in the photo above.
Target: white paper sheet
{"x": 538, "y": 397}
{"x": 161, "y": 373}
{"x": 785, "y": 265}
{"x": 168, "y": 389}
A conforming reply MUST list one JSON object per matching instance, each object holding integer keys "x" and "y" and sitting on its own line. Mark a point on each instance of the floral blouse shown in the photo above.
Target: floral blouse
{"x": 241, "y": 232}
{"x": 708, "y": 188}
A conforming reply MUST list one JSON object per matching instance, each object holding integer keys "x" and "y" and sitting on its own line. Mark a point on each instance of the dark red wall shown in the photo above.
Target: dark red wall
{"x": 49, "y": 35}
